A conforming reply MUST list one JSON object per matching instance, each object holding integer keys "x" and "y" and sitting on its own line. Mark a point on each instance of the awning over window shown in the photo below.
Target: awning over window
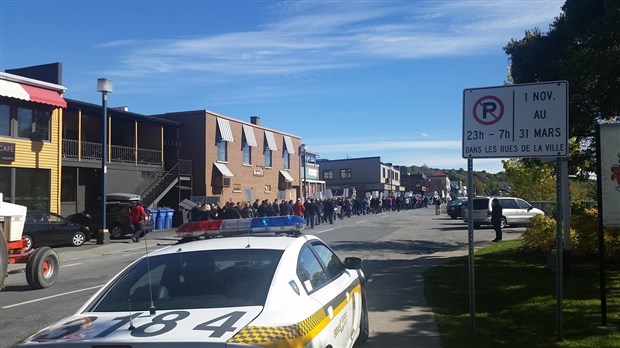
{"x": 288, "y": 142}
{"x": 271, "y": 141}
{"x": 223, "y": 168}
{"x": 287, "y": 176}
{"x": 225, "y": 131}
{"x": 250, "y": 137}
{"x": 30, "y": 93}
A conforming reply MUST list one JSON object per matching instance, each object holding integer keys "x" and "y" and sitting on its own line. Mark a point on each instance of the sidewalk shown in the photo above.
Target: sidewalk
{"x": 399, "y": 314}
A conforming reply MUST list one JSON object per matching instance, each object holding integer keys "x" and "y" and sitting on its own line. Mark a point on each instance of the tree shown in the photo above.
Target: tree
{"x": 582, "y": 47}
{"x": 530, "y": 181}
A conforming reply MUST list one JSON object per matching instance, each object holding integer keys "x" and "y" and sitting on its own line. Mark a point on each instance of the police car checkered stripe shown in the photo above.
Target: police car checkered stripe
{"x": 303, "y": 331}
{"x": 266, "y": 334}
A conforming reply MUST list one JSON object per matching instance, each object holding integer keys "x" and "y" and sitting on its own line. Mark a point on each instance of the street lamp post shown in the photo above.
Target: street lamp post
{"x": 104, "y": 86}
{"x": 302, "y": 153}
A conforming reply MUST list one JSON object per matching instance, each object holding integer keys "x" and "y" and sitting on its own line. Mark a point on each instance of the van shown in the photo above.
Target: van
{"x": 515, "y": 211}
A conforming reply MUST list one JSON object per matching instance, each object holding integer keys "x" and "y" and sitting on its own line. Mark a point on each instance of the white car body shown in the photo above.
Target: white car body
{"x": 295, "y": 312}
{"x": 515, "y": 211}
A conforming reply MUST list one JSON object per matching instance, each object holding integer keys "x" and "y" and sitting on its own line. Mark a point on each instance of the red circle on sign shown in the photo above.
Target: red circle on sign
{"x": 489, "y": 108}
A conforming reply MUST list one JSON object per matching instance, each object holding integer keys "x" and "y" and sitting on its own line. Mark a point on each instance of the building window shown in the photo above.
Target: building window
{"x": 328, "y": 175}
{"x": 42, "y": 124}
{"x": 221, "y": 149}
{"x": 268, "y": 161}
{"x": 5, "y": 120}
{"x": 25, "y": 121}
{"x": 246, "y": 149}
{"x": 236, "y": 188}
{"x": 286, "y": 158}
{"x": 345, "y": 173}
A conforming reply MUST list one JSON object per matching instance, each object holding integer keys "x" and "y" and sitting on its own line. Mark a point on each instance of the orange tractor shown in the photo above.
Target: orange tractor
{"x": 42, "y": 264}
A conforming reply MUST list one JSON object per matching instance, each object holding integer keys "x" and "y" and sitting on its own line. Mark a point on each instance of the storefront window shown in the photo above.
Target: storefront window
{"x": 32, "y": 188}
{"x": 5, "y": 183}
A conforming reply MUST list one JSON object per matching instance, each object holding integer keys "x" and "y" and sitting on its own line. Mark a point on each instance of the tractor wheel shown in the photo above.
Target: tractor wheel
{"x": 42, "y": 268}
{"x": 4, "y": 257}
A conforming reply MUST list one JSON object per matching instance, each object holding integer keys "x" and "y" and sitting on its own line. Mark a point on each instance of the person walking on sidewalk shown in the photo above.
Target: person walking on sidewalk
{"x": 496, "y": 219}
{"x": 437, "y": 205}
{"x": 138, "y": 217}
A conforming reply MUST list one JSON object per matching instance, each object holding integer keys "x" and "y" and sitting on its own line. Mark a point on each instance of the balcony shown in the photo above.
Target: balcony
{"x": 119, "y": 154}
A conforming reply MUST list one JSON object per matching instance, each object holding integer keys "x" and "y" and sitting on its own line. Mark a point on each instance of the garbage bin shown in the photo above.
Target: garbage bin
{"x": 154, "y": 213}
{"x": 161, "y": 218}
{"x": 169, "y": 215}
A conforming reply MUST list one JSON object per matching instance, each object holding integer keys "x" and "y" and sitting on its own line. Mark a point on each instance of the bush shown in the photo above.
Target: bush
{"x": 540, "y": 235}
{"x": 586, "y": 238}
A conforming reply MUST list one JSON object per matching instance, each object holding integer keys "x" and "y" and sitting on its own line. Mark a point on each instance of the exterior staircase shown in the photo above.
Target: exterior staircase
{"x": 160, "y": 182}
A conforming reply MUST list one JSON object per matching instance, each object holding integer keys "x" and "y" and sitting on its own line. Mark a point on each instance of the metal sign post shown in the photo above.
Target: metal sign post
{"x": 524, "y": 120}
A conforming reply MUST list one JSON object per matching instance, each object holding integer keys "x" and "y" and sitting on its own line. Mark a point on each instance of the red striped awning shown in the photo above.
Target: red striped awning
{"x": 30, "y": 93}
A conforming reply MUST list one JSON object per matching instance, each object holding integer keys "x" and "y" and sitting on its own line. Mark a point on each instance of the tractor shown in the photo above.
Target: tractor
{"x": 42, "y": 263}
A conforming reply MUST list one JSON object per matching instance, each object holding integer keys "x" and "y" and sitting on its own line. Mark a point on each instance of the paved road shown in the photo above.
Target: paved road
{"x": 397, "y": 247}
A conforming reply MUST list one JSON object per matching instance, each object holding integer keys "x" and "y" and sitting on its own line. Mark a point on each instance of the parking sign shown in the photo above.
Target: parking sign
{"x": 525, "y": 120}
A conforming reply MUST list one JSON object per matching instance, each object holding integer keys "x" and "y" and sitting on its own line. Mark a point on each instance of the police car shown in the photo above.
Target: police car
{"x": 232, "y": 283}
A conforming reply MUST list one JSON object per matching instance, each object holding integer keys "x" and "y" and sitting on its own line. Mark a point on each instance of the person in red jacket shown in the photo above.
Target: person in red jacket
{"x": 298, "y": 208}
{"x": 138, "y": 217}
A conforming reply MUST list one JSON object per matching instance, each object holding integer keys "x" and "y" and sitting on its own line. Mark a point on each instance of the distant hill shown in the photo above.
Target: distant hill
{"x": 485, "y": 183}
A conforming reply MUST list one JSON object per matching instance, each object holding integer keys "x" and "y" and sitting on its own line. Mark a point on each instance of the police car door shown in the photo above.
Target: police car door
{"x": 330, "y": 285}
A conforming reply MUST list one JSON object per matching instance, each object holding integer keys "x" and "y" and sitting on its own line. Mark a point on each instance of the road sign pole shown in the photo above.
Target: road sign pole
{"x": 470, "y": 242}
{"x": 559, "y": 247}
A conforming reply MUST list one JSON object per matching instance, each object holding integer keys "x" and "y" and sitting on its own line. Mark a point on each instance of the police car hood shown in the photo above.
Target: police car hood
{"x": 166, "y": 328}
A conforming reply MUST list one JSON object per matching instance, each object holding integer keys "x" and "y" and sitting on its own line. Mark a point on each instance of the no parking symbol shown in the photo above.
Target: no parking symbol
{"x": 488, "y": 110}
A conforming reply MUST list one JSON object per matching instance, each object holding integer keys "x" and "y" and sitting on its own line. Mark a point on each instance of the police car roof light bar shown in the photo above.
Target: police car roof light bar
{"x": 291, "y": 224}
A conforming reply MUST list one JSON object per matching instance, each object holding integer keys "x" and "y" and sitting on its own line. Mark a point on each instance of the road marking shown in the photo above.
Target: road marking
{"x": 49, "y": 297}
{"x": 361, "y": 222}
{"x": 71, "y": 264}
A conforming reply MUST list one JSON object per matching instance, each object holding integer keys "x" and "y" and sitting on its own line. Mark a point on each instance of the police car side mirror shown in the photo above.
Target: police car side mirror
{"x": 353, "y": 263}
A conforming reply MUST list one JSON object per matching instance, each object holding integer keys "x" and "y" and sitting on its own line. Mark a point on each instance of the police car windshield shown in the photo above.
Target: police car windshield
{"x": 200, "y": 279}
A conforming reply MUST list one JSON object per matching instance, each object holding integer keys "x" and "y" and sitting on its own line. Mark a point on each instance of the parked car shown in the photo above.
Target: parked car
{"x": 515, "y": 211}
{"x": 454, "y": 208}
{"x": 43, "y": 228}
{"x": 117, "y": 219}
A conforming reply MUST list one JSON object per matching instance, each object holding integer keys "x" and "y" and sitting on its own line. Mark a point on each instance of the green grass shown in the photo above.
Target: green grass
{"x": 516, "y": 301}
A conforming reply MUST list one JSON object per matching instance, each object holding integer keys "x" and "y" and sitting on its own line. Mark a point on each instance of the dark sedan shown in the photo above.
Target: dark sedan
{"x": 117, "y": 220}
{"x": 43, "y": 228}
{"x": 455, "y": 208}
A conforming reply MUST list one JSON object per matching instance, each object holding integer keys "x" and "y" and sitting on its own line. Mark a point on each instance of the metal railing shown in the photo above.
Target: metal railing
{"x": 160, "y": 180}
{"x": 124, "y": 154}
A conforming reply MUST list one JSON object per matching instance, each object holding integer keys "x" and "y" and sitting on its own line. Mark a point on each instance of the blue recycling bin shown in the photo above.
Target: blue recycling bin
{"x": 154, "y": 213}
{"x": 169, "y": 215}
{"x": 160, "y": 221}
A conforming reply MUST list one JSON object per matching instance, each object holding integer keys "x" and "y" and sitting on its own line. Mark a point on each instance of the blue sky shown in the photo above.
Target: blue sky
{"x": 352, "y": 78}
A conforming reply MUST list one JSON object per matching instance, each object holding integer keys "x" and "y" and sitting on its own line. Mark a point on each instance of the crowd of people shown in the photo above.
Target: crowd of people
{"x": 314, "y": 211}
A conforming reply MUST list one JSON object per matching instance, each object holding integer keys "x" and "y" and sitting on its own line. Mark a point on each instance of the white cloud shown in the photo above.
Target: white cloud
{"x": 315, "y": 36}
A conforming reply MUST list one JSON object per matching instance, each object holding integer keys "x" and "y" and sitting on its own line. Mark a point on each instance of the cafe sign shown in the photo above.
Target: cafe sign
{"x": 7, "y": 152}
